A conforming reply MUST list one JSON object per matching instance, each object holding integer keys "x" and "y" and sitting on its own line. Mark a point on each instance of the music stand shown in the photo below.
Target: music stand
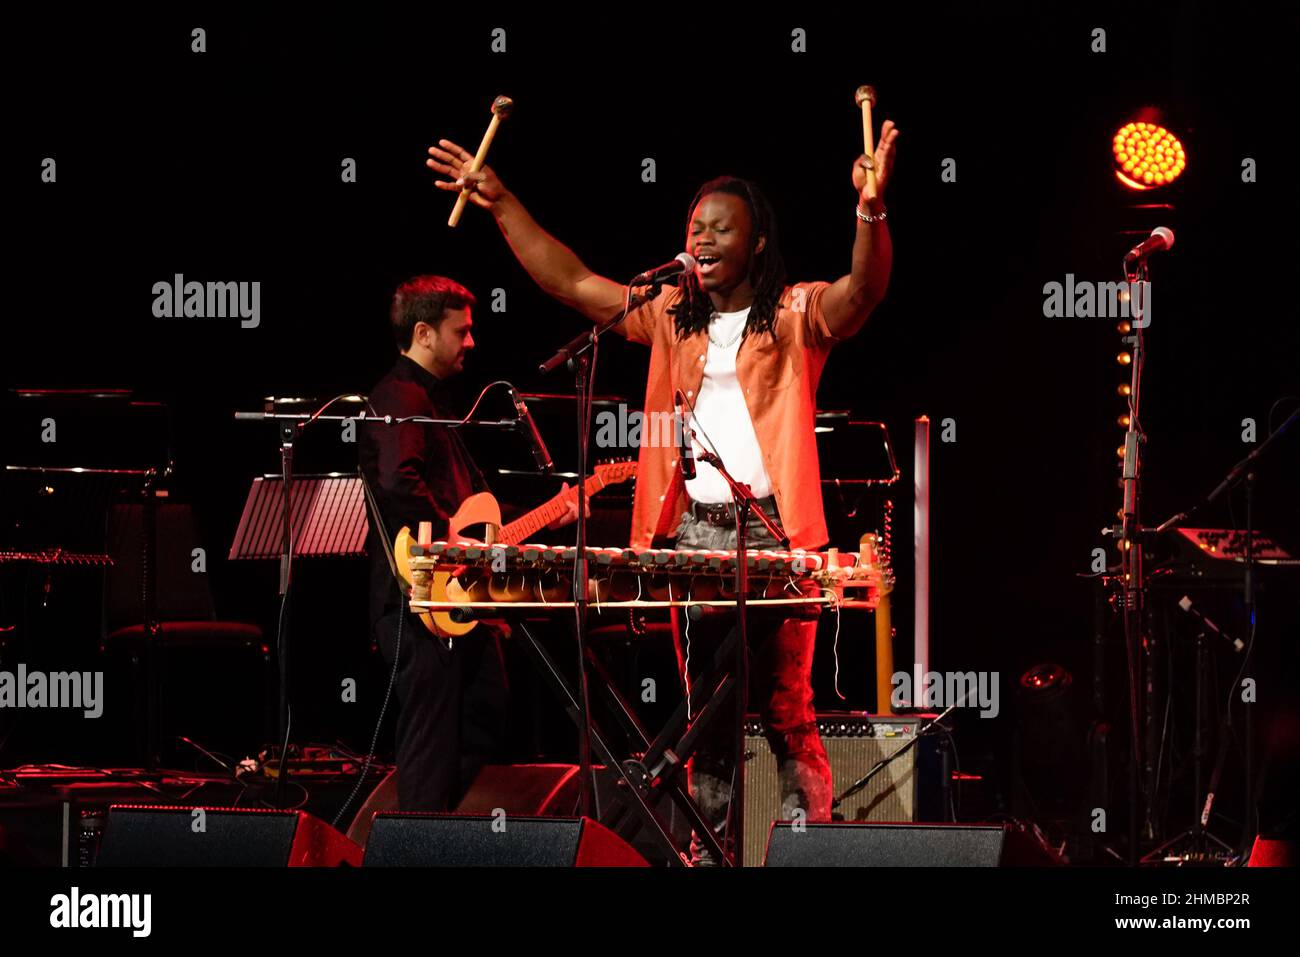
{"x": 327, "y": 517}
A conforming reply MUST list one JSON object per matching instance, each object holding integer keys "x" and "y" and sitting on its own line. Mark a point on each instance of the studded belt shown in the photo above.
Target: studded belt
{"x": 723, "y": 514}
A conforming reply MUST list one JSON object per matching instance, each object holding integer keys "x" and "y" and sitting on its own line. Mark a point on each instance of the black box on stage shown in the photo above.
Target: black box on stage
{"x": 493, "y": 840}
{"x": 142, "y": 836}
{"x": 903, "y": 845}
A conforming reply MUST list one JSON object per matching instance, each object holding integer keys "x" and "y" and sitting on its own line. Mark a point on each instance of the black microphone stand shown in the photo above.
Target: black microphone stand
{"x": 1132, "y": 593}
{"x": 152, "y": 624}
{"x": 289, "y": 433}
{"x": 744, "y": 502}
{"x": 579, "y": 354}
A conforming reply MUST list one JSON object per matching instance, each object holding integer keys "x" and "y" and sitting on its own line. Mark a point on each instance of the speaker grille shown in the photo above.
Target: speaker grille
{"x": 166, "y": 837}
{"x": 854, "y": 743}
{"x": 882, "y": 845}
{"x": 465, "y": 840}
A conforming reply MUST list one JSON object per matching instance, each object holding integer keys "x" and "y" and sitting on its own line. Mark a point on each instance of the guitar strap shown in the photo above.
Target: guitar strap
{"x": 477, "y": 481}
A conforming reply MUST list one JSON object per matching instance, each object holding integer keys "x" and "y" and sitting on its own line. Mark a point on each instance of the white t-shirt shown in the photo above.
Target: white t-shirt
{"x": 722, "y": 416}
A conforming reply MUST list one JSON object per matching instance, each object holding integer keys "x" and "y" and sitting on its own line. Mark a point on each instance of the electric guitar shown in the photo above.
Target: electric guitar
{"x": 483, "y": 509}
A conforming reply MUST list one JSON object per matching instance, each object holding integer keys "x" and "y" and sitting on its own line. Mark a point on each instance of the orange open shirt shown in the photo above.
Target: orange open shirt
{"x": 779, "y": 376}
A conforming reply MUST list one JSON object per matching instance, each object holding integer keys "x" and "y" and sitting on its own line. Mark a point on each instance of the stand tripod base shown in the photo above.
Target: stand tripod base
{"x": 1195, "y": 845}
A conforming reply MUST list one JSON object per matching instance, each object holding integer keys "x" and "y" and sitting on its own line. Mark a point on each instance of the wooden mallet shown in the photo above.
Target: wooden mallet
{"x": 501, "y": 108}
{"x": 865, "y": 97}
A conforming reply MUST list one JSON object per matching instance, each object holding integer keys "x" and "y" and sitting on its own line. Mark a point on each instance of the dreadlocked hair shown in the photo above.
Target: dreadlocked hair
{"x": 693, "y": 309}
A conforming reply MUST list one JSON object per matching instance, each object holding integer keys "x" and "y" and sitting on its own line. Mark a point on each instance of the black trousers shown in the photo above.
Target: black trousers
{"x": 452, "y": 709}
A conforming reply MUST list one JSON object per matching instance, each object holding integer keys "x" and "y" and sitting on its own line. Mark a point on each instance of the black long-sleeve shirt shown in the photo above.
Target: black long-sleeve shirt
{"x": 419, "y": 473}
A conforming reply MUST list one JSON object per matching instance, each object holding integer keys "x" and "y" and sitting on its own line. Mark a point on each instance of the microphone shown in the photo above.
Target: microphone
{"x": 529, "y": 428}
{"x": 684, "y": 262}
{"x": 685, "y": 450}
{"x": 1161, "y": 238}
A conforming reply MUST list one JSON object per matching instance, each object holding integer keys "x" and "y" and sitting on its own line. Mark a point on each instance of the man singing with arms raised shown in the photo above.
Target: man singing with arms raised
{"x": 747, "y": 350}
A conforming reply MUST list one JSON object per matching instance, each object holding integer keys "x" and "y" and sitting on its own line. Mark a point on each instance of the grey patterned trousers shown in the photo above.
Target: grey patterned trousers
{"x": 780, "y": 691}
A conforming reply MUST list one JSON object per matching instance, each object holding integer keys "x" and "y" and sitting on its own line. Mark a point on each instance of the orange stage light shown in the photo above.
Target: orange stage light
{"x": 1147, "y": 155}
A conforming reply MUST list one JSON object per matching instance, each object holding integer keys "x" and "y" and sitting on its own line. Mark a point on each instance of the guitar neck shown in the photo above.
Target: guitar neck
{"x": 519, "y": 530}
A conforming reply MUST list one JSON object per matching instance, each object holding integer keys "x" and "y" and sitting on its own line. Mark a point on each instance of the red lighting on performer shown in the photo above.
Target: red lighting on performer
{"x": 1147, "y": 155}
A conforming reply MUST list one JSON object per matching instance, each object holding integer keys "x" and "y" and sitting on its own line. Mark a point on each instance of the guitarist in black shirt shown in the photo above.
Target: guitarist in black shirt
{"x": 452, "y": 701}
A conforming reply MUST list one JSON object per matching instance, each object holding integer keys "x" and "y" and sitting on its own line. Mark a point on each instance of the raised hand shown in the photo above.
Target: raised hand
{"x": 453, "y": 162}
{"x": 883, "y": 162}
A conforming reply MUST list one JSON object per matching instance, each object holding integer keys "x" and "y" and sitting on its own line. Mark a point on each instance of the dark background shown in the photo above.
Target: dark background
{"x": 226, "y": 166}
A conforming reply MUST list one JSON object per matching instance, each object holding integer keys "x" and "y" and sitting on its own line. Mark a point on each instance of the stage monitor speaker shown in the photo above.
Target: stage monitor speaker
{"x": 493, "y": 840}
{"x": 904, "y": 845}
{"x": 533, "y": 790}
{"x": 544, "y": 790}
{"x": 1270, "y": 852}
{"x": 906, "y": 790}
{"x": 146, "y": 836}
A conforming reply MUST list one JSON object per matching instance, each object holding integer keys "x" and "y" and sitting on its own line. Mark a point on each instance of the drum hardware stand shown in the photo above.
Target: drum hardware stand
{"x": 1195, "y": 841}
{"x": 1243, "y": 472}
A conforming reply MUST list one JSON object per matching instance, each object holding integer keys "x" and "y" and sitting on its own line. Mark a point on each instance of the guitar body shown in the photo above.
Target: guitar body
{"x": 481, "y": 508}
